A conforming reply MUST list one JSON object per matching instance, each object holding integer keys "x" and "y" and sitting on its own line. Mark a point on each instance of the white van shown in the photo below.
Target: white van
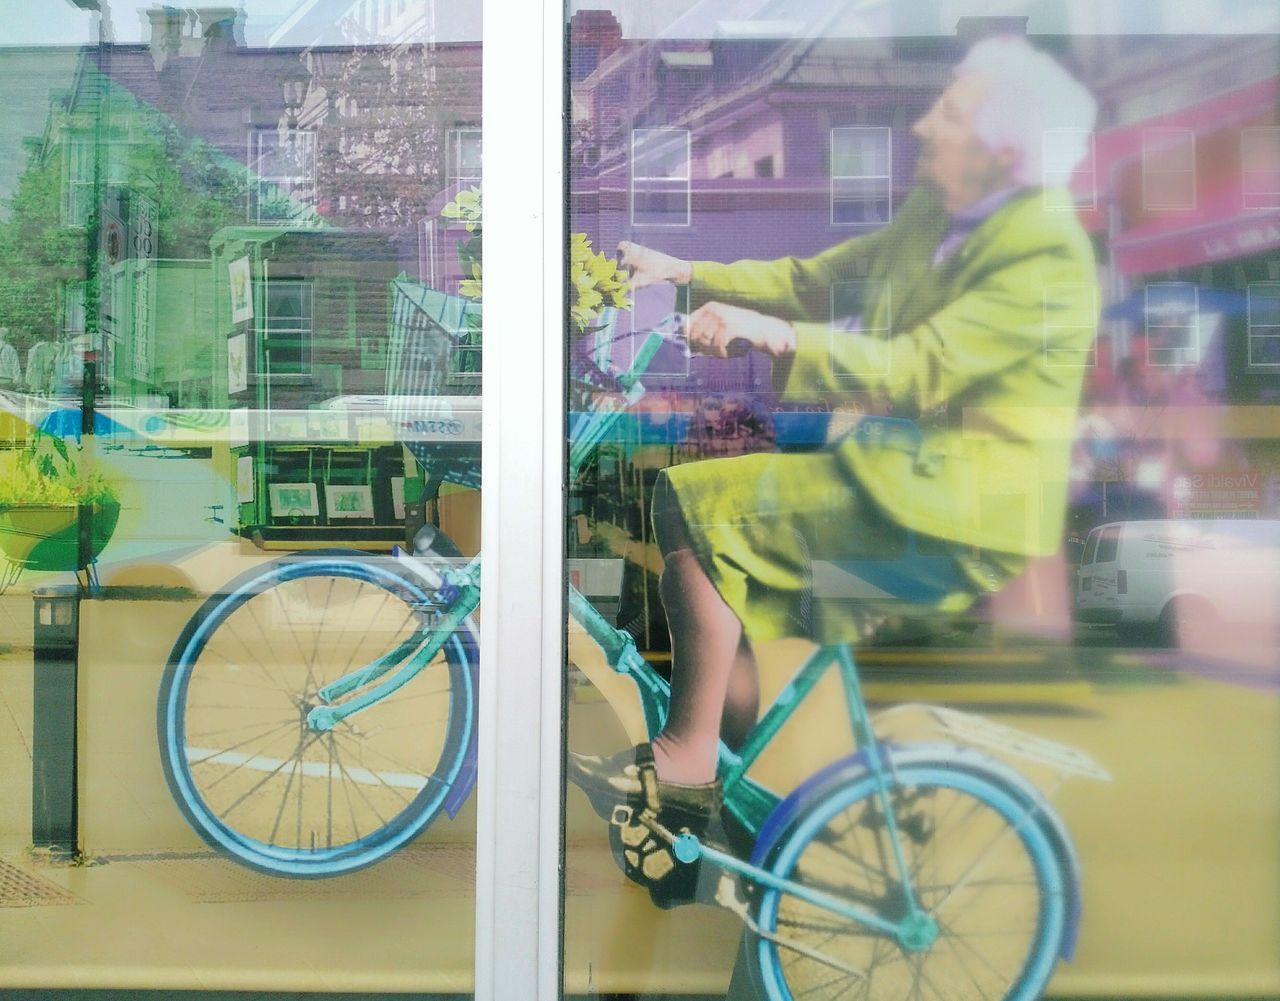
{"x": 1181, "y": 576}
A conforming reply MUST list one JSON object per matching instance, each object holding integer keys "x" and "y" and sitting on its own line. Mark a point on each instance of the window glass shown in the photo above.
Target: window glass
{"x": 880, "y": 312}
{"x": 240, "y": 300}
{"x": 1108, "y": 544}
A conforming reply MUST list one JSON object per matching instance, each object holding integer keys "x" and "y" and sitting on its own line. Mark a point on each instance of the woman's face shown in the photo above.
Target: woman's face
{"x": 953, "y": 159}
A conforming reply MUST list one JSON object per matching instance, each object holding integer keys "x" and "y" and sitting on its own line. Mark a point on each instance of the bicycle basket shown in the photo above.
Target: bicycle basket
{"x": 433, "y": 359}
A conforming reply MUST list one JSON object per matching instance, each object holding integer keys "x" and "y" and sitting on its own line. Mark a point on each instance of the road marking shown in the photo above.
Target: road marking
{"x": 311, "y": 769}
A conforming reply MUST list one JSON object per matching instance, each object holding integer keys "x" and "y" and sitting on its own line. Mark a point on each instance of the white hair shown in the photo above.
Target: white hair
{"x": 1034, "y": 106}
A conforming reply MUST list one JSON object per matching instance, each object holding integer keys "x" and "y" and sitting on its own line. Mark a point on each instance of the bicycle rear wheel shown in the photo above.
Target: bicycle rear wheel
{"x": 250, "y": 775}
{"x": 978, "y": 863}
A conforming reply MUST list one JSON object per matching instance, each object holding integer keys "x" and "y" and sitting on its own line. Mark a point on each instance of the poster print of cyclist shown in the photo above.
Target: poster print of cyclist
{"x": 944, "y": 310}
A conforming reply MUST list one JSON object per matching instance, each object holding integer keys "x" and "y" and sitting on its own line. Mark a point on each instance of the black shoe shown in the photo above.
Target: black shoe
{"x": 625, "y": 789}
{"x": 618, "y": 780}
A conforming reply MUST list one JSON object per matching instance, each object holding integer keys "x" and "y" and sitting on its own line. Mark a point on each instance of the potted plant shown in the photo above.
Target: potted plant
{"x": 44, "y": 499}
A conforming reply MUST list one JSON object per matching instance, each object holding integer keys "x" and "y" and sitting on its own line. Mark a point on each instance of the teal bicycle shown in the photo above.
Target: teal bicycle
{"x": 319, "y": 712}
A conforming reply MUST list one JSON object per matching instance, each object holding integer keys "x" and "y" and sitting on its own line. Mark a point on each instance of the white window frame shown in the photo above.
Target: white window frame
{"x": 1057, "y": 357}
{"x": 301, "y": 186}
{"x": 1156, "y": 141}
{"x": 77, "y": 187}
{"x": 1260, "y": 141}
{"x": 458, "y": 140}
{"x": 869, "y": 181}
{"x": 519, "y": 789}
{"x": 841, "y": 324}
{"x": 1268, "y": 331}
{"x": 655, "y": 184}
{"x": 73, "y": 309}
{"x": 305, "y": 331}
{"x": 1051, "y": 143}
{"x": 1156, "y": 326}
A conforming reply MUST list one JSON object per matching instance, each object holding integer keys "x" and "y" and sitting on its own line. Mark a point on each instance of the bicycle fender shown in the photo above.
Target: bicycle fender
{"x": 855, "y": 767}
{"x": 466, "y": 780}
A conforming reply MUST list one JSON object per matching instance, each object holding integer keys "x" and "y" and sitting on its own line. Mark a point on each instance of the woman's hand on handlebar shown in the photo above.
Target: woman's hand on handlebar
{"x": 649, "y": 267}
{"x": 725, "y": 331}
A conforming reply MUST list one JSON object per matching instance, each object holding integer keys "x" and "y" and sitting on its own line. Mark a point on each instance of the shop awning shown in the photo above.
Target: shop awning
{"x": 1219, "y": 228}
{"x": 1223, "y": 223}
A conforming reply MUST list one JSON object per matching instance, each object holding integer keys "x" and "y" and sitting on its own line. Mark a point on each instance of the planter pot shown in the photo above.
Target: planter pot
{"x": 47, "y": 537}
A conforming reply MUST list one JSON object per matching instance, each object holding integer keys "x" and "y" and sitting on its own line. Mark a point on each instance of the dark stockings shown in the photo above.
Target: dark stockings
{"x": 715, "y": 689}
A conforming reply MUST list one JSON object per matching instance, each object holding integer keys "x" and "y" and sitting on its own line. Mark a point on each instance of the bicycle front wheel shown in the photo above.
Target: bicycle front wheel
{"x": 978, "y": 863}
{"x": 245, "y": 768}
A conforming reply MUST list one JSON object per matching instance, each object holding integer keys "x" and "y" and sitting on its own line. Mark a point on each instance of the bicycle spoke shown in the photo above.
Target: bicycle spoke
{"x": 221, "y": 752}
{"x": 975, "y": 954}
{"x": 407, "y": 769}
{"x": 1006, "y": 831}
{"x": 251, "y": 658}
{"x": 309, "y": 663}
{"x": 284, "y": 799}
{"x": 204, "y": 734}
{"x": 981, "y": 885}
{"x": 328, "y": 813}
{"x": 267, "y": 778}
{"x": 358, "y": 786}
{"x": 945, "y": 938}
{"x": 236, "y": 700}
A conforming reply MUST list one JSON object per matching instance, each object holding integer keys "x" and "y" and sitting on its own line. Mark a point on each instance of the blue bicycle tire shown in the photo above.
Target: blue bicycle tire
{"x": 399, "y": 769}
{"x": 782, "y": 974}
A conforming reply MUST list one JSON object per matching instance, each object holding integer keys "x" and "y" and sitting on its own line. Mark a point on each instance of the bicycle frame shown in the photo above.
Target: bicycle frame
{"x": 747, "y": 801}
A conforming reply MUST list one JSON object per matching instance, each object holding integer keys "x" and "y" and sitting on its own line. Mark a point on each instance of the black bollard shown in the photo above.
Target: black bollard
{"x": 53, "y": 738}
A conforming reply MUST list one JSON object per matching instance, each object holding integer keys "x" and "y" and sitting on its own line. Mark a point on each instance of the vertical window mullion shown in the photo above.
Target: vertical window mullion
{"x": 521, "y": 656}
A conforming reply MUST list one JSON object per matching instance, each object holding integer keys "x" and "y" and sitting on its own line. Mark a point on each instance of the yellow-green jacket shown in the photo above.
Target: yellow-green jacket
{"x": 986, "y": 351}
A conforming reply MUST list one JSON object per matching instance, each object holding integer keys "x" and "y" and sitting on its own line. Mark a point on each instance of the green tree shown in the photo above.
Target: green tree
{"x": 196, "y": 190}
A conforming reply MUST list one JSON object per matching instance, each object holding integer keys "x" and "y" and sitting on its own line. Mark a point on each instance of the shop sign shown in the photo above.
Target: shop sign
{"x": 1218, "y": 494}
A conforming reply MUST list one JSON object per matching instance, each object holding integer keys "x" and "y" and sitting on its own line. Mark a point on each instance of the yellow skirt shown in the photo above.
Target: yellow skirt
{"x": 776, "y": 534}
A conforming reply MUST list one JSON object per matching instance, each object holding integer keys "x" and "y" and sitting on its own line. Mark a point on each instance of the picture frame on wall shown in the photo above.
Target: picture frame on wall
{"x": 293, "y": 500}
{"x": 289, "y": 425}
{"x": 328, "y": 425}
{"x": 348, "y": 501}
{"x": 240, "y": 282}
{"x": 238, "y": 427}
{"x": 397, "y": 497}
{"x": 244, "y": 479}
{"x": 237, "y": 363}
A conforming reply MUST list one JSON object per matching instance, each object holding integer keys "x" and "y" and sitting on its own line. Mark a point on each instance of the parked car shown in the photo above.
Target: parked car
{"x": 1191, "y": 582}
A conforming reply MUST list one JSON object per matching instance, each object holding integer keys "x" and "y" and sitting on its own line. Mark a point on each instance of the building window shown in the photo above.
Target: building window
{"x": 1168, "y": 168}
{"x": 72, "y": 311}
{"x": 850, "y": 302}
{"x": 764, "y": 167}
{"x": 286, "y": 328}
{"x": 283, "y": 175}
{"x": 1264, "y": 325}
{"x": 861, "y": 175}
{"x": 466, "y": 356}
{"x": 77, "y": 200}
{"x": 1173, "y": 323}
{"x": 1260, "y": 167}
{"x": 1057, "y": 332}
{"x": 1061, "y": 164}
{"x": 660, "y": 177}
{"x": 465, "y": 155}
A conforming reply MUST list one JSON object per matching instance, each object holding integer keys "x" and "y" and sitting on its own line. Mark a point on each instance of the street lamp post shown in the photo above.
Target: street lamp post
{"x": 293, "y": 88}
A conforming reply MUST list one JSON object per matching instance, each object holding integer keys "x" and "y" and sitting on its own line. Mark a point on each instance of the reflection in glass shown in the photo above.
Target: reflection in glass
{"x": 239, "y": 438}
{"x": 922, "y": 357}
